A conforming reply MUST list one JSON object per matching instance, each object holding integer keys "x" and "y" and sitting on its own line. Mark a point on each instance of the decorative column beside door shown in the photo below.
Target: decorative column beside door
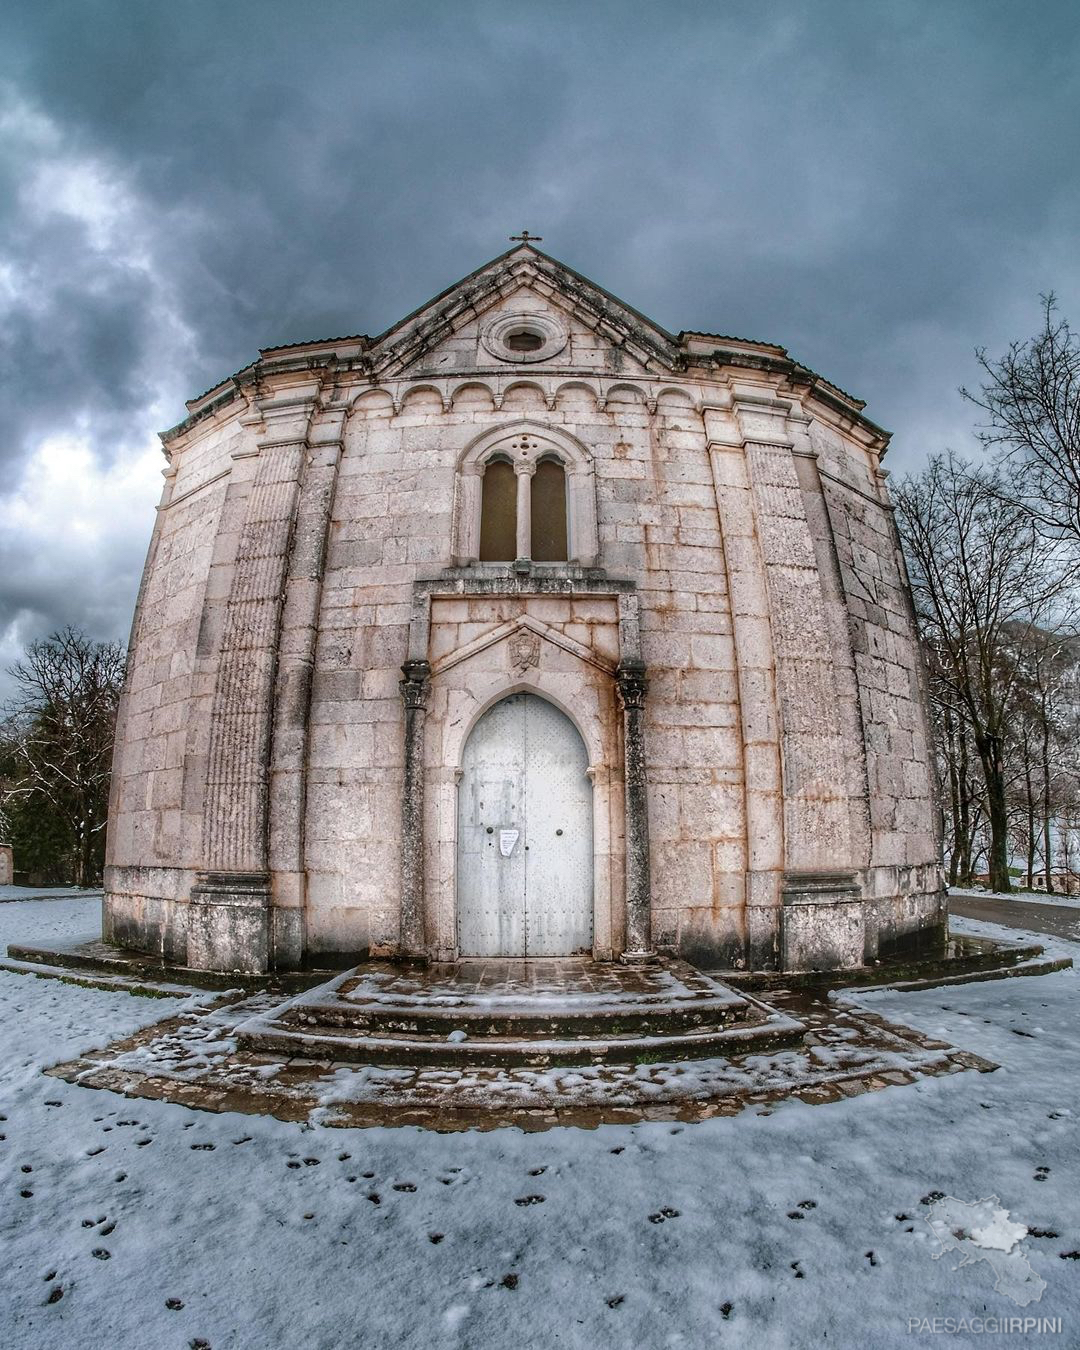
{"x": 632, "y": 686}
{"x": 414, "y": 690}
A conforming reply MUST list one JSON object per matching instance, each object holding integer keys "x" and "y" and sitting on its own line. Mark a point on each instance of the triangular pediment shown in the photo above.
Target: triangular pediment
{"x": 462, "y": 329}
{"x": 525, "y": 624}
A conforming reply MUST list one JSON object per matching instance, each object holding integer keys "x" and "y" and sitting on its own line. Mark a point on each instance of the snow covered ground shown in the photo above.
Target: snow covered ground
{"x": 42, "y": 893}
{"x": 132, "y": 1224}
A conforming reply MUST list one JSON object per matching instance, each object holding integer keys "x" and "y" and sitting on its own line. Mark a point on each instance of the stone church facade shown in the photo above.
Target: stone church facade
{"x": 524, "y": 629}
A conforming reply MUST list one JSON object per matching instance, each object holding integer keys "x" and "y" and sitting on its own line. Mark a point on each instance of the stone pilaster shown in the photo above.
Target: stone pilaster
{"x": 230, "y": 923}
{"x": 817, "y": 831}
{"x": 414, "y": 690}
{"x": 292, "y": 695}
{"x": 759, "y": 718}
{"x": 809, "y": 835}
{"x": 632, "y": 687}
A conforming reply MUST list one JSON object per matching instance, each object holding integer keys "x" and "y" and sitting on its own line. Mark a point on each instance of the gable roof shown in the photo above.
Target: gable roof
{"x": 399, "y": 347}
{"x": 523, "y": 265}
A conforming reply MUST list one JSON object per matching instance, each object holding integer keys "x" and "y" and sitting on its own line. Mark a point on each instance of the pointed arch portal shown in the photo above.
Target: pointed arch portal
{"x": 525, "y": 847}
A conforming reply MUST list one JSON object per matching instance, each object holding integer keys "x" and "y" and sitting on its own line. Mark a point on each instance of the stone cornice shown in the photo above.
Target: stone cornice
{"x": 358, "y": 361}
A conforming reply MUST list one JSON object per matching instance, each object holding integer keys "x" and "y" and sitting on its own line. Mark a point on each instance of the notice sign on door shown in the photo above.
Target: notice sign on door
{"x": 507, "y": 840}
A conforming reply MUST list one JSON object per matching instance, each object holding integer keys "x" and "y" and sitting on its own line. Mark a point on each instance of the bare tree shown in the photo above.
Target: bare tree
{"x": 958, "y": 771}
{"x": 982, "y": 576}
{"x": 60, "y": 728}
{"x": 1031, "y": 402}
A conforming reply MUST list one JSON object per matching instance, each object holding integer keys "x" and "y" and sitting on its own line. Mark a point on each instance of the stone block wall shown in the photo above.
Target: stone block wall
{"x": 156, "y": 808}
{"x": 309, "y": 518}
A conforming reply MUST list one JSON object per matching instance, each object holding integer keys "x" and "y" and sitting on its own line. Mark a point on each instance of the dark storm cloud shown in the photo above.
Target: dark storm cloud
{"x": 878, "y": 187}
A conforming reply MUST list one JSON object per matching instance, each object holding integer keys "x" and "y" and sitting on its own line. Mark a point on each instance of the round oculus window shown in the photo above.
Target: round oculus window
{"x": 525, "y": 337}
{"x": 522, "y": 340}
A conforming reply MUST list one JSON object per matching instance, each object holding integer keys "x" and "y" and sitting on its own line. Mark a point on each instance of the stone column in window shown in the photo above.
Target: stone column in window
{"x": 524, "y": 470}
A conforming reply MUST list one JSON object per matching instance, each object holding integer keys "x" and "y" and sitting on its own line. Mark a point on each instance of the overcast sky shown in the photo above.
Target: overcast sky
{"x": 878, "y": 185}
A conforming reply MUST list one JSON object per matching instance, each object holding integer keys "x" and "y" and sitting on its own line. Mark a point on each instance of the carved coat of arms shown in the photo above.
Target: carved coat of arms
{"x": 524, "y": 651}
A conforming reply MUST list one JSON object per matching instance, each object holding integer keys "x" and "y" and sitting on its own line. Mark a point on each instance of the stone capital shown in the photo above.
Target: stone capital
{"x": 414, "y": 686}
{"x": 631, "y": 682}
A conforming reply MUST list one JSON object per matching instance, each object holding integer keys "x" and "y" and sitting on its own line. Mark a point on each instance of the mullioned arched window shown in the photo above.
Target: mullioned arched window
{"x": 525, "y": 495}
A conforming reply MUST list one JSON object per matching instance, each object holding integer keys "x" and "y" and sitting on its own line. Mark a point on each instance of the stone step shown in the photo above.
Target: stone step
{"x": 761, "y": 1030}
{"x": 548, "y": 998}
{"x": 510, "y": 1012}
{"x": 629, "y": 1019}
{"x": 104, "y": 959}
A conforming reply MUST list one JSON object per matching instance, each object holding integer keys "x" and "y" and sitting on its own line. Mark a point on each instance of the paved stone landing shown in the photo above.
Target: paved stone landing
{"x": 537, "y": 1013}
{"x": 194, "y": 1059}
{"x": 813, "y": 1043}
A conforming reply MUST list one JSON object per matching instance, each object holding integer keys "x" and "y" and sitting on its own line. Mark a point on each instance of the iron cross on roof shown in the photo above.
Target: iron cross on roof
{"x": 526, "y": 238}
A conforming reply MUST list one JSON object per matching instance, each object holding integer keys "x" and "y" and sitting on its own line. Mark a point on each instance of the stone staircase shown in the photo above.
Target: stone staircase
{"x": 531, "y": 1014}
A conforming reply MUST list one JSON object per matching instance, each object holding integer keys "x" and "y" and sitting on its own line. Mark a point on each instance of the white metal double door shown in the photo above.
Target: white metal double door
{"x": 524, "y": 856}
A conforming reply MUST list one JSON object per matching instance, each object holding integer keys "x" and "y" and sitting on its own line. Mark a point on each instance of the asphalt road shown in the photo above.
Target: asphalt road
{"x": 1060, "y": 920}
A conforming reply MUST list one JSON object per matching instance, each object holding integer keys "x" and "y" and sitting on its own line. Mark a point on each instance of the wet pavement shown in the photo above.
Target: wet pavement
{"x": 1060, "y": 920}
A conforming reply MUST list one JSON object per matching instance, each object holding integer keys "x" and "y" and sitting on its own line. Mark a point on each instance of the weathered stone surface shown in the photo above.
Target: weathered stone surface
{"x": 731, "y": 548}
